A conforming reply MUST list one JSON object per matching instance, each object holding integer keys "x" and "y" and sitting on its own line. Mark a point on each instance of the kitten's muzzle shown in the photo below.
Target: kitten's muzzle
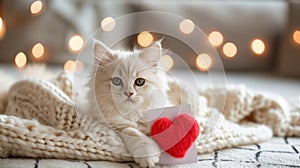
{"x": 128, "y": 94}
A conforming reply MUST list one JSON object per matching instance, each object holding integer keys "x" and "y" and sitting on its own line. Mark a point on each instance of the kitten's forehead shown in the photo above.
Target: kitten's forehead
{"x": 129, "y": 63}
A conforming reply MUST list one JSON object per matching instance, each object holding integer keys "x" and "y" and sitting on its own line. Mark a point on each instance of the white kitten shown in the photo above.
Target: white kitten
{"x": 123, "y": 83}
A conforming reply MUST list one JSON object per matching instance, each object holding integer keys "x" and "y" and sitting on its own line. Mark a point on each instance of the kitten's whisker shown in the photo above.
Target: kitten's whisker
{"x": 104, "y": 95}
{"x": 108, "y": 94}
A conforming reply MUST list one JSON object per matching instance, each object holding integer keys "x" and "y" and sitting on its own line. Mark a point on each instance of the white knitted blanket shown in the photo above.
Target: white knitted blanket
{"x": 40, "y": 121}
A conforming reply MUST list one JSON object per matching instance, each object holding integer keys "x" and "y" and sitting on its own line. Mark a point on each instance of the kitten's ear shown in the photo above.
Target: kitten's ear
{"x": 103, "y": 55}
{"x": 152, "y": 54}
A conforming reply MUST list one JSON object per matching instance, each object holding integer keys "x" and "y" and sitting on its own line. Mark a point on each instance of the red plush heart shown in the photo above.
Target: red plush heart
{"x": 175, "y": 137}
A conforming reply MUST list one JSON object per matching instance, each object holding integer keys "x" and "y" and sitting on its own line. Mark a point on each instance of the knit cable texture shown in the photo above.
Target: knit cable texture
{"x": 40, "y": 120}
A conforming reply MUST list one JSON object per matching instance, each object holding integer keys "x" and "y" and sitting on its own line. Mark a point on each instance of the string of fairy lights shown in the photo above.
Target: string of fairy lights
{"x": 203, "y": 61}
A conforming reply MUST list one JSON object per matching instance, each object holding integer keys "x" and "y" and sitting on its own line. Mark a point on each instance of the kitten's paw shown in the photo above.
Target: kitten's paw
{"x": 147, "y": 156}
{"x": 147, "y": 161}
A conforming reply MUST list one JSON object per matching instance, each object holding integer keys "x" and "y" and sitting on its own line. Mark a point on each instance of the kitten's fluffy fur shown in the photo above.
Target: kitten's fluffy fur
{"x": 127, "y": 114}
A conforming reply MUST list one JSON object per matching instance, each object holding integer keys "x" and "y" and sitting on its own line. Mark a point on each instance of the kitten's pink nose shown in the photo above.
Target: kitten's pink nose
{"x": 128, "y": 94}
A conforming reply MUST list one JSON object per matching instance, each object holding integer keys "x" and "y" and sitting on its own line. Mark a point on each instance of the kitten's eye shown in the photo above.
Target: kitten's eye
{"x": 139, "y": 81}
{"x": 117, "y": 81}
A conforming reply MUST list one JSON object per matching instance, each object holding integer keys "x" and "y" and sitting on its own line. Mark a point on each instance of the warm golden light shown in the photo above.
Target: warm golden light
{"x": 73, "y": 66}
{"x": 296, "y": 36}
{"x": 186, "y": 26}
{"x": 69, "y": 66}
{"x": 167, "y": 62}
{"x": 1, "y": 23}
{"x": 20, "y": 60}
{"x": 258, "y": 46}
{"x": 203, "y": 62}
{"x": 229, "y": 49}
{"x": 108, "y": 24}
{"x": 76, "y": 43}
{"x": 2, "y": 28}
{"x": 36, "y": 7}
{"x": 78, "y": 66}
{"x": 38, "y": 50}
{"x": 215, "y": 38}
{"x": 144, "y": 39}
